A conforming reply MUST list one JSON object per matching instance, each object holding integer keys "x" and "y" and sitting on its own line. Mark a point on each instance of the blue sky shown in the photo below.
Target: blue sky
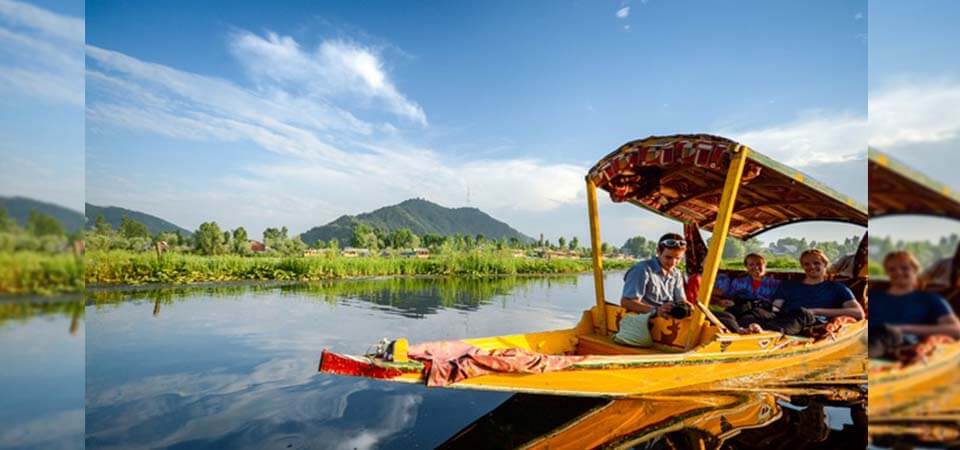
{"x": 41, "y": 101}
{"x": 298, "y": 113}
{"x": 914, "y": 101}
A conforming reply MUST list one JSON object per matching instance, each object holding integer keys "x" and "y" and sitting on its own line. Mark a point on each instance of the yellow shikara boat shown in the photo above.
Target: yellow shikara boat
{"x": 895, "y": 189}
{"x": 704, "y": 417}
{"x": 707, "y": 182}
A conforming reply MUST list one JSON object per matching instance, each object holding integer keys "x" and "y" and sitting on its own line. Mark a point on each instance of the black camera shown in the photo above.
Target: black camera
{"x": 680, "y": 310}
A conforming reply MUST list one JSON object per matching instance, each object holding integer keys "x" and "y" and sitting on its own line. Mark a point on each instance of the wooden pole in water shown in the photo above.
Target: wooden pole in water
{"x": 721, "y": 226}
{"x": 597, "y": 256}
{"x": 75, "y": 320}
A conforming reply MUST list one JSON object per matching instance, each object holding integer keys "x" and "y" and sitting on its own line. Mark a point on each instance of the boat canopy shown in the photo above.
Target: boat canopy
{"x": 682, "y": 177}
{"x": 897, "y": 189}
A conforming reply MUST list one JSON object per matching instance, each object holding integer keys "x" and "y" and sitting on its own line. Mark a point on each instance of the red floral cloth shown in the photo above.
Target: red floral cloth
{"x": 923, "y": 349}
{"x": 453, "y": 361}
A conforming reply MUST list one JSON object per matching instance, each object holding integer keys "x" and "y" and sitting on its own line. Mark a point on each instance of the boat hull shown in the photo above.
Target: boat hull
{"x": 892, "y": 388}
{"x": 617, "y": 375}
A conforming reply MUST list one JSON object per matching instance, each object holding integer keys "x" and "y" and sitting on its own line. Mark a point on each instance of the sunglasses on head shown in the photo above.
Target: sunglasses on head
{"x": 673, "y": 243}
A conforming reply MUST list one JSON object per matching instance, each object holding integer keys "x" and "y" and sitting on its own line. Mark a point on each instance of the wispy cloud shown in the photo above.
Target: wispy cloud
{"x": 301, "y": 106}
{"x": 60, "y": 430}
{"x": 335, "y": 68}
{"x": 915, "y": 111}
{"x": 623, "y": 13}
{"x": 41, "y": 53}
{"x": 814, "y": 138}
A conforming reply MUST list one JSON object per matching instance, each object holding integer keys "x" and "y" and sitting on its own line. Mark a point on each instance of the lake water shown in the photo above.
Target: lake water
{"x": 41, "y": 373}
{"x": 236, "y": 367}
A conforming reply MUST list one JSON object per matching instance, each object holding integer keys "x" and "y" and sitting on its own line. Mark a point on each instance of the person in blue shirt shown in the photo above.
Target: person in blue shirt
{"x": 904, "y": 308}
{"x": 655, "y": 285}
{"x": 756, "y": 284}
{"x": 733, "y": 298}
{"x": 816, "y": 294}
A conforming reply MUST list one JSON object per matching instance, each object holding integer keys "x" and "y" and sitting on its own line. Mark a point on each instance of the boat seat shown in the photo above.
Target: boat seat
{"x": 591, "y": 344}
{"x": 857, "y": 285}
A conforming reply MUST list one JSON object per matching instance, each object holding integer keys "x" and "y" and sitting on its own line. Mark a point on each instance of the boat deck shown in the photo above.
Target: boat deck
{"x": 591, "y": 344}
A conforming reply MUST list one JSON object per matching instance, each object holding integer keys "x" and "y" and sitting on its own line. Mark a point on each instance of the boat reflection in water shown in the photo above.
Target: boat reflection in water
{"x": 914, "y": 400}
{"x": 923, "y": 415}
{"x": 818, "y": 406}
{"x": 694, "y": 420}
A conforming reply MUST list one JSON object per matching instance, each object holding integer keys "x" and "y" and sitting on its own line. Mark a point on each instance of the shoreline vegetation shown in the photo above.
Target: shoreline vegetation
{"x": 42, "y": 258}
{"x": 131, "y": 268}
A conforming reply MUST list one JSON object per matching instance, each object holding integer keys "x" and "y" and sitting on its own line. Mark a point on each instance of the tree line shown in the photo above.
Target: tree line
{"x": 210, "y": 239}
{"x": 641, "y": 247}
{"x": 927, "y": 252}
{"x": 42, "y": 233}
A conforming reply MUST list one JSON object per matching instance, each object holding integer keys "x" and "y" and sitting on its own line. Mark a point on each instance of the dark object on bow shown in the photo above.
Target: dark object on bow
{"x": 680, "y": 310}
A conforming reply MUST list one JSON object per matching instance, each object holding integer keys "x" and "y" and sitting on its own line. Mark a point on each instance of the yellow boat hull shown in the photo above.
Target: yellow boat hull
{"x": 894, "y": 388}
{"x": 618, "y": 371}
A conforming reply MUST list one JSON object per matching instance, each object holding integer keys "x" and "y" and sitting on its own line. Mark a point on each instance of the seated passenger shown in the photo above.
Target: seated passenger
{"x": 843, "y": 267}
{"x": 655, "y": 285}
{"x": 755, "y": 285}
{"x": 734, "y": 298}
{"x": 815, "y": 293}
{"x": 937, "y": 276}
{"x": 905, "y": 309}
{"x": 800, "y": 305}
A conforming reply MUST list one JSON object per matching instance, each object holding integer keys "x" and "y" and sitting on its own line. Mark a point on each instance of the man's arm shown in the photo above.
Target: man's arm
{"x": 850, "y": 308}
{"x": 948, "y": 324}
{"x": 635, "y": 305}
{"x": 634, "y": 283}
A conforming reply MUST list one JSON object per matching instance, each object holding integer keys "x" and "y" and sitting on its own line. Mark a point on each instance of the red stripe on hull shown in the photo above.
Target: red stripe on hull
{"x": 341, "y": 365}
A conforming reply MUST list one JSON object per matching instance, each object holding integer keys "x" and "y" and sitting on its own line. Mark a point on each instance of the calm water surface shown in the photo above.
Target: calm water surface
{"x": 41, "y": 373}
{"x": 236, "y": 367}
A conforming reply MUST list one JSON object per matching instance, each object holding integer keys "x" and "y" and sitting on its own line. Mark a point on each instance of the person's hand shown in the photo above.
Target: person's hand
{"x": 664, "y": 310}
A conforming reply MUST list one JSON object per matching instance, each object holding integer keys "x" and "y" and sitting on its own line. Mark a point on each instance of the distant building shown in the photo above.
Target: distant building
{"x": 416, "y": 253}
{"x": 257, "y": 246}
{"x": 561, "y": 254}
{"x": 353, "y": 252}
{"x": 619, "y": 257}
{"x": 556, "y": 254}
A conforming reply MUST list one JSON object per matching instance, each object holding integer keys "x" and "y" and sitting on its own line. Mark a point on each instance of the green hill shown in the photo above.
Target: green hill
{"x": 420, "y": 216}
{"x": 19, "y": 209}
{"x": 113, "y": 215}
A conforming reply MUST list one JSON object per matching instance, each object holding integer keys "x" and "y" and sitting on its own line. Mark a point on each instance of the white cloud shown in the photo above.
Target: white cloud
{"x": 41, "y": 53}
{"x": 70, "y": 29}
{"x": 623, "y": 13}
{"x": 915, "y": 111}
{"x": 58, "y": 430}
{"x": 814, "y": 138}
{"x": 334, "y": 68}
{"x": 321, "y": 147}
{"x": 41, "y": 83}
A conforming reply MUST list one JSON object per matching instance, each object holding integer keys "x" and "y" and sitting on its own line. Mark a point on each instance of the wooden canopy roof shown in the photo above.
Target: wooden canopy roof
{"x": 897, "y": 189}
{"x": 682, "y": 177}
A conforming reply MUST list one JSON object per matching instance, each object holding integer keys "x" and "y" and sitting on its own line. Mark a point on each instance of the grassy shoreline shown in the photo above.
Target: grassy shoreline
{"x": 40, "y": 273}
{"x": 23, "y": 273}
{"x": 129, "y": 268}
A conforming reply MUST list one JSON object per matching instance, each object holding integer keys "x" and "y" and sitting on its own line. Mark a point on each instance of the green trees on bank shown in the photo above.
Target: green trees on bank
{"x": 926, "y": 252}
{"x": 42, "y": 233}
{"x": 735, "y": 249}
